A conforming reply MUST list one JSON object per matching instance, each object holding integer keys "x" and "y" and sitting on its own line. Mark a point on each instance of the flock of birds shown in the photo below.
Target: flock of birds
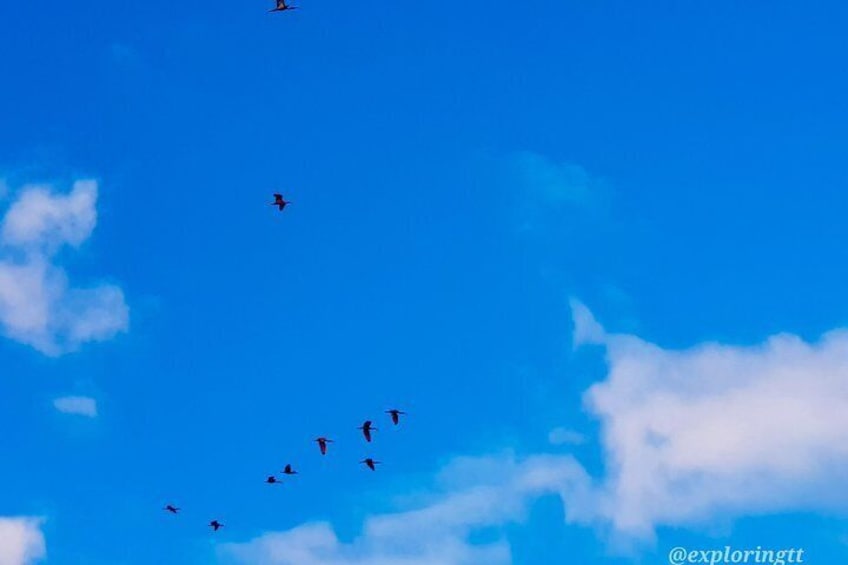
{"x": 367, "y": 427}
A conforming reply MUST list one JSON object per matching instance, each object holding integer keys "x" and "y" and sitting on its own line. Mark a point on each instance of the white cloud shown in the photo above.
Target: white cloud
{"x": 21, "y": 541}
{"x": 721, "y": 430}
{"x": 41, "y": 217}
{"x": 473, "y": 493}
{"x": 79, "y": 405}
{"x": 317, "y": 544}
{"x": 38, "y": 306}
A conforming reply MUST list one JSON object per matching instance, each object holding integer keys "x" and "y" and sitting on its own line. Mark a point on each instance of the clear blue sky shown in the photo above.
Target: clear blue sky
{"x": 427, "y": 260}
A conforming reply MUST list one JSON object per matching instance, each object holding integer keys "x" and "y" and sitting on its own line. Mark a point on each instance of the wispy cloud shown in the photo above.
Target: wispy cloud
{"x": 555, "y": 194}
{"x": 556, "y": 182}
{"x": 563, "y": 436}
{"x": 123, "y": 52}
{"x": 38, "y": 306}
{"x": 21, "y": 541}
{"x": 472, "y": 493}
{"x": 587, "y": 330}
{"x": 79, "y": 405}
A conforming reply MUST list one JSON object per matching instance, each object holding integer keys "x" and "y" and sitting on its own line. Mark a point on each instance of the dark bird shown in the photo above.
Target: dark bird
{"x": 395, "y": 414}
{"x": 171, "y": 508}
{"x": 279, "y": 201}
{"x": 322, "y": 444}
{"x": 366, "y": 429}
{"x": 272, "y": 480}
{"x": 289, "y": 471}
{"x": 215, "y": 525}
{"x": 282, "y": 7}
{"x": 370, "y": 463}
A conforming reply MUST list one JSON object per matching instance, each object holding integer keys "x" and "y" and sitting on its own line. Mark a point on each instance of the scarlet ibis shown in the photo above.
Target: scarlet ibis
{"x": 289, "y": 471}
{"x": 215, "y": 525}
{"x": 370, "y": 463}
{"x": 282, "y": 7}
{"x": 279, "y": 201}
{"x": 171, "y": 508}
{"x": 272, "y": 480}
{"x": 395, "y": 414}
{"x": 366, "y": 430}
{"x": 322, "y": 444}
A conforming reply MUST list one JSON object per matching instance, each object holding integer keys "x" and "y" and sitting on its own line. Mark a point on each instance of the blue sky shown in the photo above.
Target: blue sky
{"x": 464, "y": 179}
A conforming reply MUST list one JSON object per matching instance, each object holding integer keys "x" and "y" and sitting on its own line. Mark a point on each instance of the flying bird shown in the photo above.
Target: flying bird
{"x": 215, "y": 525}
{"x": 289, "y": 471}
{"x": 272, "y": 480}
{"x": 282, "y": 7}
{"x": 395, "y": 414}
{"x": 171, "y": 508}
{"x": 322, "y": 444}
{"x": 366, "y": 430}
{"x": 279, "y": 201}
{"x": 370, "y": 463}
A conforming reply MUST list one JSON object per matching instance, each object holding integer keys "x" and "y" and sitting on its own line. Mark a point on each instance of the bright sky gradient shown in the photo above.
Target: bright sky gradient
{"x": 562, "y": 235}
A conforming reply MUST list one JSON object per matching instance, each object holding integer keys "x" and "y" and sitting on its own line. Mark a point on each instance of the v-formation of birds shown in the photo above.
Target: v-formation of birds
{"x": 367, "y": 427}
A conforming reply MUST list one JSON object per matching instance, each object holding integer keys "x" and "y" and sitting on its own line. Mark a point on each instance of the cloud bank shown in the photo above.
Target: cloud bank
{"x": 21, "y": 541}
{"x": 689, "y": 437}
{"x": 38, "y": 305}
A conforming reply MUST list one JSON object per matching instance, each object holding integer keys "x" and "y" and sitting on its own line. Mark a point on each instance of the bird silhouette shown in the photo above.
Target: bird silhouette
{"x": 367, "y": 428}
{"x": 272, "y": 480}
{"x": 282, "y": 7}
{"x": 370, "y": 463}
{"x": 289, "y": 471}
{"x": 171, "y": 508}
{"x": 215, "y": 525}
{"x": 322, "y": 444}
{"x": 395, "y": 414}
{"x": 279, "y": 201}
